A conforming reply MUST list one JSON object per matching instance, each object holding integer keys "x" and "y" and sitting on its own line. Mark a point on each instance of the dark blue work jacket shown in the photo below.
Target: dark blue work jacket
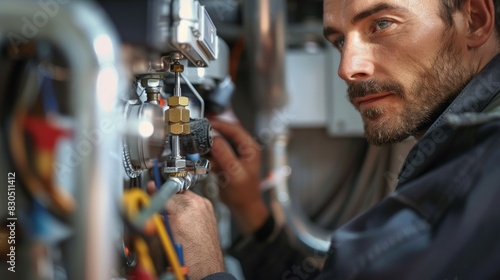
{"x": 443, "y": 220}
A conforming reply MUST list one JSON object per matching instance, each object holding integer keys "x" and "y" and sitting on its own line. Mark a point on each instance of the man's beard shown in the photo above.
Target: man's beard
{"x": 426, "y": 99}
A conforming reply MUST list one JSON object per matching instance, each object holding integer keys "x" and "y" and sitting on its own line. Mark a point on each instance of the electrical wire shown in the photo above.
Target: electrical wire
{"x": 47, "y": 193}
{"x": 156, "y": 174}
{"x": 136, "y": 86}
{"x": 135, "y": 197}
{"x": 142, "y": 251}
{"x": 59, "y": 201}
{"x": 196, "y": 93}
{"x": 168, "y": 246}
{"x": 49, "y": 99}
{"x": 168, "y": 189}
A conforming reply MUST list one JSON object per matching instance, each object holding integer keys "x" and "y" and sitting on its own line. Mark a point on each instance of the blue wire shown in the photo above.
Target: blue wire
{"x": 48, "y": 95}
{"x": 39, "y": 216}
{"x": 156, "y": 174}
{"x": 180, "y": 253}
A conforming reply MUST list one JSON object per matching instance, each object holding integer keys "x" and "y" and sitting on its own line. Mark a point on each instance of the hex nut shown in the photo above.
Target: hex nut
{"x": 186, "y": 128}
{"x": 175, "y": 128}
{"x": 176, "y": 163}
{"x": 151, "y": 83}
{"x": 202, "y": 167}
{"x": 177, "y": 68}
{"x": 178, "y": 129}
{"x": 178, "y": 114}
{"x": 180, "y": 163}
{"x": 178, "y": 101}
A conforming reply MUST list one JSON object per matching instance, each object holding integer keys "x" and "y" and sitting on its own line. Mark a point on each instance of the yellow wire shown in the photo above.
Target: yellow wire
{"x": 136, "y": 196}
{"x": 143, "y": 255}
{"x": 168, "y": 246}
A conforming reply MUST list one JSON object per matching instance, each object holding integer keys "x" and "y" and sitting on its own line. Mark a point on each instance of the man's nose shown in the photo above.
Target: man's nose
{"x": 356, "y": 62}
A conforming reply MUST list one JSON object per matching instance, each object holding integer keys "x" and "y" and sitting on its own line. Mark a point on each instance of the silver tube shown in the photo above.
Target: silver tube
{"x": 265, "y": 38}
{"x": 176, "y": 147}
{"x": 306, "y": 232}
{"x": 89, "y": 43}
{"x": 265, "y": 32}
{"x": 177, "y": 89}
{"x": 197, "y": 94}
{"x": 167, "y": 190}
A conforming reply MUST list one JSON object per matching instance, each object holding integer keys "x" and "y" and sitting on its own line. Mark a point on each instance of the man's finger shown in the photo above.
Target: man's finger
{"x": 151, "y": 187}
{"x": 222, "y": 152}
{"x": 224, "y": 155}
{"x": 214, "y": 164}
{"x": 234, "y": 133}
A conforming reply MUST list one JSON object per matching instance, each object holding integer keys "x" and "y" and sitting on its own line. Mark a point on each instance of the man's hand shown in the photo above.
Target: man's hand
{"x": 239, "y": 174}
{"x": 194, "y": 226}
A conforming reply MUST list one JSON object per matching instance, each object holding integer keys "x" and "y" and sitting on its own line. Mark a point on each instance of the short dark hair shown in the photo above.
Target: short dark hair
{"x": 448, "y": 7}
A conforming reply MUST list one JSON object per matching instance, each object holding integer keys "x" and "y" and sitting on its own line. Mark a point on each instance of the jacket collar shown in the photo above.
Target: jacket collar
{"x": 474, "y": 98}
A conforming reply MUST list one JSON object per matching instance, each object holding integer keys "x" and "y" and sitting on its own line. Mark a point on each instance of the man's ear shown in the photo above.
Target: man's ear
{"x": 480, "y": 21}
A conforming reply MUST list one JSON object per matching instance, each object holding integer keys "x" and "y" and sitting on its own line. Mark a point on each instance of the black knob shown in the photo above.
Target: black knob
{"x": 199, "y": 141}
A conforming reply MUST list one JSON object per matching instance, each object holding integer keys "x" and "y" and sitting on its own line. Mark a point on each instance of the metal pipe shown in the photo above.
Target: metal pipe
{"x": 177, "y": 89}
{"x": 176, "y": 146}
{"x": 166, "y": 191}
{"x": 265, "y": 40}
{"x": 86, "y": 38}
{"x": 197, "y": 94}
{"x": 265, "y": 22}
{"x": 310, "y": 235}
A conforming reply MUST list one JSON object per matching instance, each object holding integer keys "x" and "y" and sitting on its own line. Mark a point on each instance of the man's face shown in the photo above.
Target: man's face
{"x": 402, "y": 64}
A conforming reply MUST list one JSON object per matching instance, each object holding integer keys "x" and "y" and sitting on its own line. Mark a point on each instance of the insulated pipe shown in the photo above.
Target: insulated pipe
{"x": 90, "y": 44}
{"x": 265, "y": 32}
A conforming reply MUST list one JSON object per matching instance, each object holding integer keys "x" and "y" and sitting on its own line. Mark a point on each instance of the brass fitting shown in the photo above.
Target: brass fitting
{"x": 186, "y": 128}
{"x": 178, "y": 128}
{"x": 177, "y": 101}
{"x": 177, "y": 114}
{"x": 178, "y": 174}
{"x": 177, "y": 68}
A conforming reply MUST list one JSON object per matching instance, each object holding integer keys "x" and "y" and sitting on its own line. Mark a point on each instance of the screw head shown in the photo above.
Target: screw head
{"x": 185, "y": 47}
{"x": 177, "y": 55}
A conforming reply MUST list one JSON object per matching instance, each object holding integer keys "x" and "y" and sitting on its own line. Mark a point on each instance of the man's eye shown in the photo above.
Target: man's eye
{"x": 339, "y": 43}
{"x": 382, "y": 24}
